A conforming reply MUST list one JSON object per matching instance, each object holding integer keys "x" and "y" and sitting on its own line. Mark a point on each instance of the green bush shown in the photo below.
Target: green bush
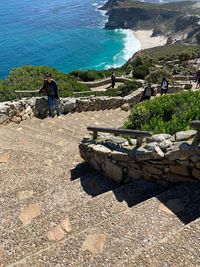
{"x": 166, "y": 114}
{"x": 92, "y": 75}
{"x": 187, "y": 55}
{"x": 157, "y": 75}
{"x": 142, "y": 66}
{"x": 31, "y": 78}
{"x": 128, "y": 87}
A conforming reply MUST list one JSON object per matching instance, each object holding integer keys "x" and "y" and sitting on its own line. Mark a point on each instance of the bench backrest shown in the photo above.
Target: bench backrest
{"x": 139, "y": 135}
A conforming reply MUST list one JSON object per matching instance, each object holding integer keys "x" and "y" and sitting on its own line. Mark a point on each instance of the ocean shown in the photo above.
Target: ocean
{"x": 64, "y": 34}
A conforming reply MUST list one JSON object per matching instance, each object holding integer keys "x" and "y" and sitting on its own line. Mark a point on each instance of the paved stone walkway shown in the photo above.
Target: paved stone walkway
{"x": 57, "y": 211}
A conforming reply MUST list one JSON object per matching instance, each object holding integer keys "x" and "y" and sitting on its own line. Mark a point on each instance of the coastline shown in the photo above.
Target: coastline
{"x": 146, "y": 41}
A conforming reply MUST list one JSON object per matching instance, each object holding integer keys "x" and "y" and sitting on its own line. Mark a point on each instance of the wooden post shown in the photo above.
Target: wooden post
{"x": 139, "y": 141}
{"x": 196, "y": 126}
{"x": 95, "y": 135}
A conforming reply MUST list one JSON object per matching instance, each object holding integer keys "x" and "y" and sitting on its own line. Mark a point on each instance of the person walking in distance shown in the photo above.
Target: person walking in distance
{"x": 50, "y": 88}
{"x": 113, "y": 79}
{"x": 164, "y": 86}
{"x": 148, "y": 92}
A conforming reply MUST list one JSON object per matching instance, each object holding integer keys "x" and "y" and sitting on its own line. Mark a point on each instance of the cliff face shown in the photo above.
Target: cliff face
{"x": 180, "y": 20}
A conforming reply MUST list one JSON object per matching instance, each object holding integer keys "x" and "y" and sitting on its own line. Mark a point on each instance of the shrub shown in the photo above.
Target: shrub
{"x": 157, "y": 75}
{"x": 166, "y": 114}
{"x": 142, "y": 66}
{"x": 31, "y": 78}
{"x": 186, "y": 55}
{"x": 128, "y": 87}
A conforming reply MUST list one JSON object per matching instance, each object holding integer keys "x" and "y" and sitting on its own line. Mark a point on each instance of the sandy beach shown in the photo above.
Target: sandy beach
{"x": 146, "y": 41}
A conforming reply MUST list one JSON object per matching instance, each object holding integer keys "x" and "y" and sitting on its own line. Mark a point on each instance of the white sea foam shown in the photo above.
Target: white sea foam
{"x": 102, "y": 12}
{"x": 131, "y": 45}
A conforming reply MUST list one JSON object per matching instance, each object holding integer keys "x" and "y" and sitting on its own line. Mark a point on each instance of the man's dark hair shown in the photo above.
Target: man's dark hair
{"x": 48, "y": 75}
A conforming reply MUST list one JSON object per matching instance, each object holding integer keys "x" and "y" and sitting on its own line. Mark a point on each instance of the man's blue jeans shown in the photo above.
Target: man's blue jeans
{"x": 52, "y": 100}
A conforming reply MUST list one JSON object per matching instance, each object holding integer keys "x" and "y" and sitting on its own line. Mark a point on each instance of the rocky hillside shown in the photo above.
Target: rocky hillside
{"x": 180, "y": 21}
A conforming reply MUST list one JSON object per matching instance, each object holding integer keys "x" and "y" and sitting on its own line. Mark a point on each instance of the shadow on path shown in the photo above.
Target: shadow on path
{"x": 183, "y": 200}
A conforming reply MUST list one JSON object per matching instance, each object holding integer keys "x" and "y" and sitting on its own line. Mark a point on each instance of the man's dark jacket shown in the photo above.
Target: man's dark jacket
{"x": 51, "y": 89}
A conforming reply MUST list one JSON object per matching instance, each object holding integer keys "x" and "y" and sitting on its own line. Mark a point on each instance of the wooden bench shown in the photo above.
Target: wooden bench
{"x": 196, "y": 125}
{"x": 20, "y": 92}
{"x": 139, "y": 135}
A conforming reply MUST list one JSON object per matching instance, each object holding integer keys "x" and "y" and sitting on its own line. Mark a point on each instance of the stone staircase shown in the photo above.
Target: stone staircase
{"x": 57, "y": 211}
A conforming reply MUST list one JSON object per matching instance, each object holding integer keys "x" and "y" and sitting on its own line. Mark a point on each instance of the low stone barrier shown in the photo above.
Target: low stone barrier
{"x": 26, "y": 108}
{"x": 162, "y": 157}
{"x": 20, "y": 110}
{"x": 105, "y": 81}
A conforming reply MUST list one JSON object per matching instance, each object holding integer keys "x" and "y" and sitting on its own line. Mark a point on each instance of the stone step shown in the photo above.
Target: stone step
{"x": 12, "y": 159}
{"x": 76, "y": 124}
{"x": 179, "y": 249}
{"x": 120, "y": 236}
{"x": 47, "y": 188}
{"x": 11, "y": 138}
{"x": 57, "y": 135}
{"x": 24, "y": 240}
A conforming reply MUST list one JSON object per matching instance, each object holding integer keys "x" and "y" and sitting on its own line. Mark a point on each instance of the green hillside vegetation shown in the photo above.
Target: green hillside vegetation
{"x": 166, "y": 114}
{"x": 165, "y": 61}
{"x": 31, "y": 78}
{"x": 92, "y": 75}
{"x": 172, "y": 52}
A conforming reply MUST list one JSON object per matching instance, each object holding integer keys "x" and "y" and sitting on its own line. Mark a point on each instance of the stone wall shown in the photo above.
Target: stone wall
{"x": 27, "y": 108}
{"x": 105, "y": 81}
{"x": 162, "y": 157}
{"x": 19, "y": 110}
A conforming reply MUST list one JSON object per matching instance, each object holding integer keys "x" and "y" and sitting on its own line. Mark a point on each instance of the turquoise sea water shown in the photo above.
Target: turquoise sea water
{"x": 64, "y": 34}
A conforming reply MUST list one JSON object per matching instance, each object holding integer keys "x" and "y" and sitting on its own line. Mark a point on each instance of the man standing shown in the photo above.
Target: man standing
{"x": 113, "y": 78}
{"x": 164, "y": 86}
{"x": 51, "y": 89}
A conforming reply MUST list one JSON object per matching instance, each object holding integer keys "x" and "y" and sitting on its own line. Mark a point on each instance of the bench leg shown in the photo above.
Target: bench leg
{"x": 95, "y": 135}
{"x": 139, "y": 141}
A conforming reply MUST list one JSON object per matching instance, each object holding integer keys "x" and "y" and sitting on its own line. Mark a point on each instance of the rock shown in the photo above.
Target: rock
{"x": 5, "y": 157}
{"x": 119, "y": 156}
{"x": 101, "y": 149}
{"x": 30, "y": 213}
{"x": 66, "y": 225}
{"x": 3, "y": 118}
{"x": 158, "y": 138}
{"x": 185, "y": 135}
{"x": 56, "y": 233}
{"x": 152, "y": 170}
{"x": 113, "y": 171}
{"x": 151, "y": 151}
{"x": 48, "y": 162}
{"x": 164, "y": 145}
{"x": 135, "y": 174}
{"x": 178, "y": 151}
{"x": 179, "y": 170}
{"x": 24, "y": 195}
{"x": 94, "y": 243}
{"x": 196, "y": 173}
{"x": 173, "y": 178}
{"x": 125, "y": 107}
{"x": 68, "y": 105}
{"x": 198, "y": 165}
{"x": 16, "y": 119}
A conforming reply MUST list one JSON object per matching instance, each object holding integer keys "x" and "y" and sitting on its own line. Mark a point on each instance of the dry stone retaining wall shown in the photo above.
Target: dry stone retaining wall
{"x": 105, "y": 81}
{"x": 161, "y": 157}
{"x": 19, "y": 110}
{"x": 27, "y": 108}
